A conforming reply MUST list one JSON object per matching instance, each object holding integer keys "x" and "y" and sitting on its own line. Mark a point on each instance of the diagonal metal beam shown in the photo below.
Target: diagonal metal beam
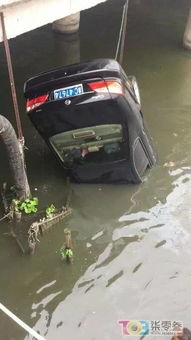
{"x": 11, "y": 78}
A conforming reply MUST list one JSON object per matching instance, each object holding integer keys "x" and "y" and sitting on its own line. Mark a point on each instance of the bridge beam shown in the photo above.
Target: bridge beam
{"x": 187, "y": 33}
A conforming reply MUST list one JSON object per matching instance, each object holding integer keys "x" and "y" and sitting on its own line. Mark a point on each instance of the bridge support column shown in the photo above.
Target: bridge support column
{"x": 67, "y": 25}
{"x": 187, "y": 33}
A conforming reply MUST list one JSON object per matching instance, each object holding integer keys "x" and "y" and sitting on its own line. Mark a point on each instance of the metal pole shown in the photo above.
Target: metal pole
{"x": 11, "y": 78}
{"x": 21, "y": 323}
{"x": 123, "y": 33}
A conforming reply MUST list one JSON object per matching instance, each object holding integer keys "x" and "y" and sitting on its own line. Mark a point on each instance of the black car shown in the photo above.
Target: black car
{"x": 89, "y": 115}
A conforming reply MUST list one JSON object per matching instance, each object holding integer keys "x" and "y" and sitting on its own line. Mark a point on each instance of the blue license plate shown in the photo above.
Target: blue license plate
{"x": 68, "y": 92}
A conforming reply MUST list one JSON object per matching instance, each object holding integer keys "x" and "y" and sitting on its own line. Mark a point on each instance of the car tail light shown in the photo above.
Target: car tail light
{"x": 35, "y": 102}
{"x": 111, "y": 86}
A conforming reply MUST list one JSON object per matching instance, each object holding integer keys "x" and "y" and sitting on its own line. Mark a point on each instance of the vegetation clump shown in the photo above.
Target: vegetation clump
{"x": 28, "y": 206}
{"x": 50, "y": 210}
{"x": 66, "y": 253}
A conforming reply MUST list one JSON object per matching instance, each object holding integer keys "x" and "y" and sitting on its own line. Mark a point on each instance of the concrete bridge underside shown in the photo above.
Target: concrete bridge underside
{"x": 25, "y": 15}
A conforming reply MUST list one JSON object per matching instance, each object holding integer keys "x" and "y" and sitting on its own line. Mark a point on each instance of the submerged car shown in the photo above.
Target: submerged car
{"x": 89, "y": 115}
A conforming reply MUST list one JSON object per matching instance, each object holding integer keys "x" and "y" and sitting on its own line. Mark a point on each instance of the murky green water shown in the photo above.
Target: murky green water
{"x": 131, "y": 243}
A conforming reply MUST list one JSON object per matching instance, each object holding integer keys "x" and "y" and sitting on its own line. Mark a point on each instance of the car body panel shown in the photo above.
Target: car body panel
{"x": 108, "y": 102}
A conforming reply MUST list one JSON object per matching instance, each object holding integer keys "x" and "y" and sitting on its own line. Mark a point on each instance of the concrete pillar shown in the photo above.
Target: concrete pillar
{"x": 67, "y": 25}
{"x": 187, "y": 33}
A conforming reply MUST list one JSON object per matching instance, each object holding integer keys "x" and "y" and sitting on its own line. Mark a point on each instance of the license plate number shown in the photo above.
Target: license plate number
{"x": 68, "y": 92}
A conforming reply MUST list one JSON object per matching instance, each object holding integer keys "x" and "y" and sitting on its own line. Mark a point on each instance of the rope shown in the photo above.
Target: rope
{"x": 21, "y": 323}
{"x": 121, "y": 39}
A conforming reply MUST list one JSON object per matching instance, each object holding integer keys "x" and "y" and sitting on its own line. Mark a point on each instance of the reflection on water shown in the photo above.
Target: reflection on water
{"x": 131, "y": 243}
{"x": 68, "y": 48}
